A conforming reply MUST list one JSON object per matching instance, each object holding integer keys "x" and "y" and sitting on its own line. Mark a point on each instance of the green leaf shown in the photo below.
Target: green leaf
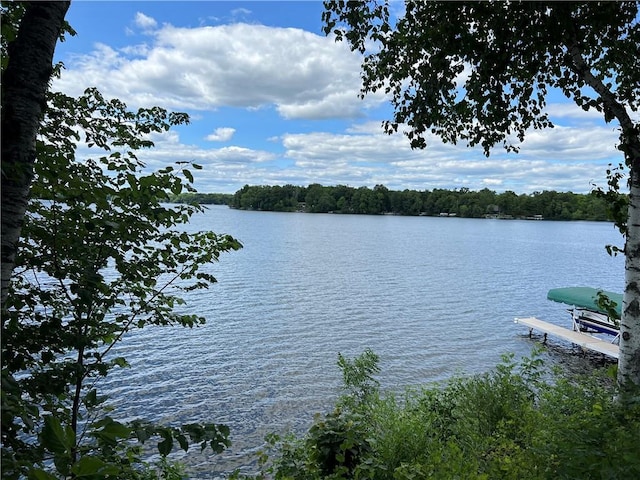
{"x": 117, "y": 430}
{"x": 176, "y": 188}
{"x": 54, "y": 437}
{"x": 142, "y": 431}
{"x": 121, "y": 362}
{"x": 90, "y": 466}
{"x": 166, "y": 445}
{"x": 196, "y": 432}
{"x": 40, "y": 475}
{"x": 182, "y": 440}
{"x": 110, "y": 432}
{"x": 91, "y": 399}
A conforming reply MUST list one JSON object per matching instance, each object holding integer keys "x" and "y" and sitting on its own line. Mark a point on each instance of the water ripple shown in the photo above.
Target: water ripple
{"x": 433, "y": 297}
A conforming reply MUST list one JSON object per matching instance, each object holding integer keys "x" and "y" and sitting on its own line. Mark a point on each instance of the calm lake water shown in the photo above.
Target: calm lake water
{"x": 433, "y": 297}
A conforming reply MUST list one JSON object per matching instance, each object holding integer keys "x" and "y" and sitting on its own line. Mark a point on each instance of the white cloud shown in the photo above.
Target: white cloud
{"x": 561, "y": 159}
{"x": 169, "y": 149}
{"x": 572, "y": 144}
{"x": 554, "y": 159}
{"x": 570, "y": 111}
{"x": 492, "y": 182}
{"x": 222, "y": 134}
{"x": 240, "y": 12}
{"x": 145, "y": 22}
{"x": 367, "y": 160}
{"x": 240, "y": 65}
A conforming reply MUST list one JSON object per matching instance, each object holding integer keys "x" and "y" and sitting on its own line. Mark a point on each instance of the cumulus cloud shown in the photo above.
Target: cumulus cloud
{"x": 299, "y": 75}
{"x": 572, "y": 144}
{"x": 240, "y": 13}
{"x": 239, "y": 65}
{"x": 491, "y": 182}
{"x": 169, "y": 149}
{"x": 560, "y": 112}
{"x": 562, "y": 159}
{"x": 222, "y": 134}
{"x": 145, "y": 22}
{"x": 367, "y": 160}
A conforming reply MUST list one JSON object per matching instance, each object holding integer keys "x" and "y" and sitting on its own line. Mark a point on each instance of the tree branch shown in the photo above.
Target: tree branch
{"x": 609, "y": 100}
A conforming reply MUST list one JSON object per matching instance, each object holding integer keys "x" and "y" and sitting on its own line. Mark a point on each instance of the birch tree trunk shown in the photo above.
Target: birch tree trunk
{"x": 24, "y": 86}
{"x": 629, "y": 361}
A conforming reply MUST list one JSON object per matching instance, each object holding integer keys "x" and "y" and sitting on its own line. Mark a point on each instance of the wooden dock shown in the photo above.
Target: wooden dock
{"x": 585, "y": 341}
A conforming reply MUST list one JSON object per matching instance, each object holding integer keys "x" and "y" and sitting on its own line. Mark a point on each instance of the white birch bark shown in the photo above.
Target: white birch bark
{"x": 629, "y": 361}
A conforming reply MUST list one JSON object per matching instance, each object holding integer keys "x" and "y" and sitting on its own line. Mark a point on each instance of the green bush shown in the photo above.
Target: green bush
{"x": 518, "y": 421}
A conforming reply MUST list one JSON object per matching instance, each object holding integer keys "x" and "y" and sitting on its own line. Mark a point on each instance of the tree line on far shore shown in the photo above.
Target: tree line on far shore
{"x": 463, "y": 202}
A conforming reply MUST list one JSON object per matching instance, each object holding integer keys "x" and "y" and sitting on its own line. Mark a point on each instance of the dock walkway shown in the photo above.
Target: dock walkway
{"x": 585, "y": 341}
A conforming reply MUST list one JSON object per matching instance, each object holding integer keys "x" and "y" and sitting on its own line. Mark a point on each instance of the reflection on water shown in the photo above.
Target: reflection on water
{"x": 432, "y": 297}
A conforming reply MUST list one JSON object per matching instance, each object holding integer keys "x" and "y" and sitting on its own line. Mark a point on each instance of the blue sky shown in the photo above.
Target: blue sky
{"x": 273, "y": 101}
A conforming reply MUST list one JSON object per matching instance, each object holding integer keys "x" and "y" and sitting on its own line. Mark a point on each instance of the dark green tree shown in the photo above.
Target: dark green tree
{"x": 479, "y": 73}
{"x": 382, "y": 193}
{"x": 507, "y": 203}
{"x": 319, "y": 199}
{"x": 411, "y": 203}
{"x": 463, "y": 202}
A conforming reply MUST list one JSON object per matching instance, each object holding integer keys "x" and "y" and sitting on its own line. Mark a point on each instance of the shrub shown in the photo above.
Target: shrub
{"x": 518, "y": 421}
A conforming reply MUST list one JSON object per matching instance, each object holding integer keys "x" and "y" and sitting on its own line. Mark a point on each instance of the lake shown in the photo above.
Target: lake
{"x": 433, "y": 297}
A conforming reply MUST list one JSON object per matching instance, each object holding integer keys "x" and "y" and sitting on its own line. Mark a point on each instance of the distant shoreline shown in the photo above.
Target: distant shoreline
{"x": 461, "y": 203}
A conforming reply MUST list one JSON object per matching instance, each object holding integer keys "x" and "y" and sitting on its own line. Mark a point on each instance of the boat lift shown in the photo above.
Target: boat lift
{"x": 587, "y": 316}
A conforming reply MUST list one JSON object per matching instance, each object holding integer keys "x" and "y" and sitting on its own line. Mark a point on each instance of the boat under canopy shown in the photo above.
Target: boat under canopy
{"x": 585, "y": 297}
{"x": 588, "y": 318}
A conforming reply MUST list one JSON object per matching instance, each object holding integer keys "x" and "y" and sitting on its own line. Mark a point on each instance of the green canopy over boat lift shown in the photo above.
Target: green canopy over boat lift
{"x": 585, "y": 297}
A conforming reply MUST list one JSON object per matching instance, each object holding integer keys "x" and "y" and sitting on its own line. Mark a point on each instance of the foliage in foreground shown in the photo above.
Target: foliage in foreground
{"x": 519, "y": 421}
{"x": 100, "y": 255}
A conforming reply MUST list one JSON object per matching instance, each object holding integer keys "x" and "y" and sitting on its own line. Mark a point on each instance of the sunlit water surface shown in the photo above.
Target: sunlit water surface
{"x": 433, "y": 297}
